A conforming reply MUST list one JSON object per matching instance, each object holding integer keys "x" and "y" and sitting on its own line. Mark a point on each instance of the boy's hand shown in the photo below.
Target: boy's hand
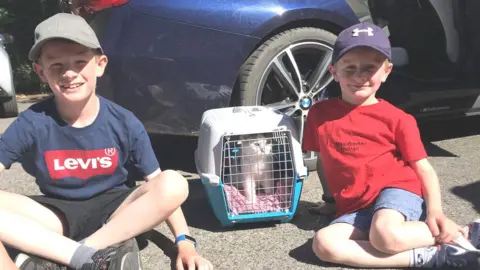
{"x": 188, "y": 256}
{"x": 443, "y": 229}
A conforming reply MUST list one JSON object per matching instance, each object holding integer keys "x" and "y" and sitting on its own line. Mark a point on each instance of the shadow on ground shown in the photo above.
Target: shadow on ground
{"x": 445, "y": 130}
{"x": 469, "y": 193}
{"x": 162, "y": 242}
{"x": 307, "y": 221}
{"x": 304, "y": 254}
{"x": 436, "y": 151}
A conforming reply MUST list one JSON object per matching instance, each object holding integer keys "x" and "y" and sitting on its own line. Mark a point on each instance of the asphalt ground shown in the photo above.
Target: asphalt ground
{"x": 452, "y": 147}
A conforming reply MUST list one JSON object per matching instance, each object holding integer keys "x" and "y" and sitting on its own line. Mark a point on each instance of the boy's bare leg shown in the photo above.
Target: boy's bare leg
{"x": 390, "y": 233}
{"x": 5, "y": 262}
{"x": 390, "y": 245}
{"x": 32, "y": 228}
{"x": 149, "y": 205}
{"x": 333, "y": 244}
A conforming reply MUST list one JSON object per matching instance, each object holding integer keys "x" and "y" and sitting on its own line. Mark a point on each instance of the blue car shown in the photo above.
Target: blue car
{"x": 170, "y": 60}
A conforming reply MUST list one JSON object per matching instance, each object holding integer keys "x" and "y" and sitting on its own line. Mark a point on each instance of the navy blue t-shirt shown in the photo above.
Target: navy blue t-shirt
{"x": 78, "y": 163}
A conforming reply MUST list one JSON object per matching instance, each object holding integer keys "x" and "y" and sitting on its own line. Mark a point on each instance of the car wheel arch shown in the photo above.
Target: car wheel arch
{"x": 307, "y": 22}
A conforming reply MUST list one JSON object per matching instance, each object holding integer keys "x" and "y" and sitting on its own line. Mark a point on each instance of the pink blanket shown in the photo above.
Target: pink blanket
{"x": 236, "y": 202}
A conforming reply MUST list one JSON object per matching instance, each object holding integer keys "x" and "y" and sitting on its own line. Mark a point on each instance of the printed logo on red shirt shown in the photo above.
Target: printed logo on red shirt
{"x": 81, "y": 164}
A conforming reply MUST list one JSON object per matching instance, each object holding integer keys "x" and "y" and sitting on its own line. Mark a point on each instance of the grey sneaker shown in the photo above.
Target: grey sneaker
{"x": 473, "y": 232}
{"x": 455, "y": 256}
{"x": 30, "y": 262}
{"x": 123, "y": 256}
{"x": 131, "y": 260}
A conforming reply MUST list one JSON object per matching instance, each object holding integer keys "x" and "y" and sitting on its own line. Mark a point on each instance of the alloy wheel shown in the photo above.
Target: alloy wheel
{"x": 295, "y": 79}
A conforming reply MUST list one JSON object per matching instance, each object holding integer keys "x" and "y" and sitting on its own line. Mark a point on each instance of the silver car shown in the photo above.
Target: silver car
{"x": 8, "y": 100}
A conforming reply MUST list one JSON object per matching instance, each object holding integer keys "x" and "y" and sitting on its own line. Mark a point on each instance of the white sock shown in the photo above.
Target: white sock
{"x": 423, "y": 257}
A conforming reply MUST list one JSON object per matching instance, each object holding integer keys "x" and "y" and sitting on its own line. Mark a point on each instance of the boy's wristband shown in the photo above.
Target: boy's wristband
{"x": 183, "y": 237}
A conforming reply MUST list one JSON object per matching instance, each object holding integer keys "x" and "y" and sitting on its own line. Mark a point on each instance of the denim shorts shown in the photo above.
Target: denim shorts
{"x": 409, "y": 204}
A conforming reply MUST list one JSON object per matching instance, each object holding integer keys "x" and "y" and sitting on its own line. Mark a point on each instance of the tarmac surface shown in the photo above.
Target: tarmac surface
{"x": 453, "y": 150}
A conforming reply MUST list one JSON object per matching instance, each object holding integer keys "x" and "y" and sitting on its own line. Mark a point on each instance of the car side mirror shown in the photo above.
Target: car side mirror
{"x": 6, "y": 38}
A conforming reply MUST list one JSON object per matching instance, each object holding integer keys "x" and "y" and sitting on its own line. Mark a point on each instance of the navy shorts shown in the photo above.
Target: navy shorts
{"x": 409, "y": 204}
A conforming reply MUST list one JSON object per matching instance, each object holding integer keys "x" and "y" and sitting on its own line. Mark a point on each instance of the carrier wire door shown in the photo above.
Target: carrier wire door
{"x": 258, "y": 173}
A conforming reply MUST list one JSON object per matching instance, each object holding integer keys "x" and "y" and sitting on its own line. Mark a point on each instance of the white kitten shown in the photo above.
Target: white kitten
{"x": 257, "y": 168}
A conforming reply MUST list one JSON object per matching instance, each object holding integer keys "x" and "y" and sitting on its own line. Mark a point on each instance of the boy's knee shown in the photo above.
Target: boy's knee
{"x": 172, "y": 184}
{"x": 384, "y": 238}
{"x": 324, "y": 247}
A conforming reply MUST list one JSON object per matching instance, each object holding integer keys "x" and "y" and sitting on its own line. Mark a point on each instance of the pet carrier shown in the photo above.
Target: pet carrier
{"x": 250, "y": 162}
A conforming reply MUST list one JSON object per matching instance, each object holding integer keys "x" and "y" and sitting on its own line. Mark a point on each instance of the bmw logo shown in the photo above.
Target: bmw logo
{"x": 305, "y": 103}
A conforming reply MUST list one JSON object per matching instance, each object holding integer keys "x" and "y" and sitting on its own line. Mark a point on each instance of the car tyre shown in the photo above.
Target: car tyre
{"x": 9, "y": 108}
{"x": 250, "y": 75}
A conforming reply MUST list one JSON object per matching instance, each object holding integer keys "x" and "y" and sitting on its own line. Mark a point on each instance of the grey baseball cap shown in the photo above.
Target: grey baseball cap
{"x": 63, "y": 26}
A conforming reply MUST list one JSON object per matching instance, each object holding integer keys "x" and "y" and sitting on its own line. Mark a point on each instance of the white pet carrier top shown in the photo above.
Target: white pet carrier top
{"x": 217, "y": 123}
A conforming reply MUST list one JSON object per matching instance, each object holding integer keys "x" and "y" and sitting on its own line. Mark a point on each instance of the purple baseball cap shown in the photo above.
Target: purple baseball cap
{"x": 363, "y": 34}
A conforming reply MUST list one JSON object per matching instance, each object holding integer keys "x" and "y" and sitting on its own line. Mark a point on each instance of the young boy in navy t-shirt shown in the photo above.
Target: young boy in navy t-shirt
{"x": 377, "y": 169}
{"x": 87, "y": 217}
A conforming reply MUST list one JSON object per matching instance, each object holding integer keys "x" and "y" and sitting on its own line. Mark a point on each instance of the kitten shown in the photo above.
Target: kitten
{"x": 257, "y": 167}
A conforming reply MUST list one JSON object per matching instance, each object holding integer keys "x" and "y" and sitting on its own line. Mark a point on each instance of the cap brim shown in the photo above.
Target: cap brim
{"x": 351, "y": 47}
{"x": 34, "y": 53}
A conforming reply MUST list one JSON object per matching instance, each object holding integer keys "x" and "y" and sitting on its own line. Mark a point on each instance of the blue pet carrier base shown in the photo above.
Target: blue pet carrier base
{"x": 216, "y": 198}
{"x": 222, "y": 133}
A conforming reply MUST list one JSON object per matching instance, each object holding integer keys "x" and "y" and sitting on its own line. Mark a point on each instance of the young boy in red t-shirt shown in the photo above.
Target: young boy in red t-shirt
{"x": 377, "y": 169}
{"x": 5, "y": 262}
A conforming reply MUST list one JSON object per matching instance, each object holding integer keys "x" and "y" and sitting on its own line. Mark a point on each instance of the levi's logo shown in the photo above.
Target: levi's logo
{"x": 81, "y": 164}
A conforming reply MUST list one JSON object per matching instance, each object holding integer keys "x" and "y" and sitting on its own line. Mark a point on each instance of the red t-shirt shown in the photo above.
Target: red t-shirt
{"x": 364, "y": 149}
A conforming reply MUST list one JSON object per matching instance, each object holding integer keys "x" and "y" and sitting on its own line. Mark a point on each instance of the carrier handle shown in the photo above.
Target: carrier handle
{"x": 213, "y": 179}
{"x": 303, "y": 175}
